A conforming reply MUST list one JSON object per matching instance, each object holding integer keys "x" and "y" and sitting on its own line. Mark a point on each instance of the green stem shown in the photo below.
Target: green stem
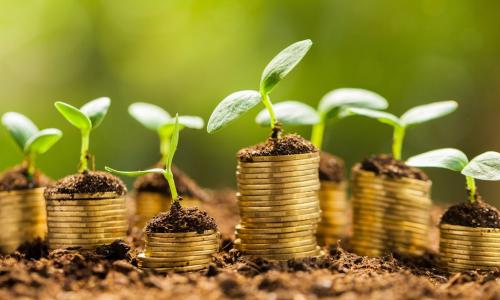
{"x": 84, "y": 153}
{"x": 29, "y": 160}
{"x": 471, "y": 186}
{"x": 171, "y": 184}
{"x": 397, "y": 141}
{"x": 318, "y": 132}
{"x": 164, "y": 146}
{"x": 269, "y": 106}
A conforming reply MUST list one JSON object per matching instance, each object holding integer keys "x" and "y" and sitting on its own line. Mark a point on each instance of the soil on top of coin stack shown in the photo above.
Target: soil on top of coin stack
{"x": 286, "y": 145}
{"x": 17, "y": 179}
{"x": 478, "y": 214}
{"x": 331, "y": 168}
{"x": 87, "y": 183}
{"x": 179, "y": 219}
{"x": 386, "y": 165}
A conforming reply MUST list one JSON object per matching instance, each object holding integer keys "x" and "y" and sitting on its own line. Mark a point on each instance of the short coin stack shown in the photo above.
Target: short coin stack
{"x": 179, "y": 252}
{"x": 22, "y": 218}
{"x": 466, "y": 248}
{"x": 279, "y": 206}
{"x": 334, "y": 218}
{"x": 84, "y": 220}
{"x": 389, "y": 214}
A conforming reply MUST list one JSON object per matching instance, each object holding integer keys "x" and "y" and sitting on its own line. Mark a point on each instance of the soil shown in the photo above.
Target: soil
{"x": 386, "y": 165}
{"x": 87, "y": 183}
{"x": 478, "y": 214}
{"x": 286, "y": 145}
{"x": 331, "y": 168}
{"x": 17, "y": 179}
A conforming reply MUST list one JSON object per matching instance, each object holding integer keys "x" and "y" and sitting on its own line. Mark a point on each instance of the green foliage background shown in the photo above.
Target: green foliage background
{"x": 188, "y": 55}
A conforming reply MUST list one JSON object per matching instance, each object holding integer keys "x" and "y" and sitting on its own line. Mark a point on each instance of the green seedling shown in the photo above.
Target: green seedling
{"x": 238, "y": 103}
{"x": 331, "y": 107}
{"x": 157, "y": 119}
{"x": 485, "y": 166}
{"x": 415, "y": 115}
{"x": 167, "y": 172}
{"x": 29, "y": 138}
{"x": 87, "y": 118}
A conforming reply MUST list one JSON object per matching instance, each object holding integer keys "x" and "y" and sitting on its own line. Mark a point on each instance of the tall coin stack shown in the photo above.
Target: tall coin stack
{"x": 279, "y": 206}
{"x": 389, "y": 214}
{"x": 179, "y": 252}
{"x": 334, "y": 217}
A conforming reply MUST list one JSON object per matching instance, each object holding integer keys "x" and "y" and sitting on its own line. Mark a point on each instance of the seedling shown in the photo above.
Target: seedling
{"x": 87, "y": 118}
{"x": 157, "y": 119}
{"x": 485, "y": 166}
{"x": 331, "y": 107}
{"x": 238, "y": 103}
{"x": 415, "y": 115}
{"x": 29, "y": 138}
{"x": 167, "y": 172}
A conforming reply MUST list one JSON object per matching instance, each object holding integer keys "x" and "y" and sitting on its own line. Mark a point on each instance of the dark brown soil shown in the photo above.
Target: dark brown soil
{"x": 180, "y": 219}
{"x": 17, "y": 179}
{"x": 331, "y": 167}
{"x": 384, "y": 164}
{"x": 114, "y": 251}
{"x": 479, "y": 214}
{"x": 87, "y": 183}
{"x": 286, "y": 145}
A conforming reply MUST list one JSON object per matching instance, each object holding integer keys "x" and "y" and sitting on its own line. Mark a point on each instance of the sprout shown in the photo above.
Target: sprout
{"x": 31, "y": 140}
{"x": 485, "y": 166}
{"x": 415, "y": 115}
{"x": 87, "y": 118}
{"x": 331, "y": 107}
{"x": 167, "y": 172}
{"x": 157, "y": 119}
{"x": 238, "y": 103}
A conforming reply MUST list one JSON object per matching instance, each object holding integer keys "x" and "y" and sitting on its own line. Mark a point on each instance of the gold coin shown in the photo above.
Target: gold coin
{"x": 276, "y": 237}
{"x": 471, "y": 258}
{"x": 290, "y": 174}
{"x": 83, "y": 241}
{"x": 244, "y": 204}
{"x": 489, "y": 235}
{"x": 177, "y": 254}
{"x": 281, "y": 213}
{"x": 386, "y": 206}
{"x": 177, "y": 269}
{"x": 280, "y": 208}
{"x": 104, "y": 213}
{"x": 494, "y": 252}
{"x": 267, "y": 240}
{"x": 92, "y": 202}
{"x": 275, "y": 245}
{"x": 86, "y": 219}
{"x": 406, "y": 225}
{"x": 176, "y": 248}
{"x": 305, "y": 167}
{"x": 119, "y": 234}
{"x": 308, "y": 216}
{"x": 472, "y": 229}
{"x": 291, "y": 196}
{"x": 273, "y": 164}
{"x": 181, "y": 234}
{"x": 143, "y": 258}
{"x": 385, "y": 190}
{"x": 88, "y": 230}
{"x": 277, "y": 186}
{"x": 474, "y": 262}
{"x": 285, "y": 157}
{"x": 283, "y": 224}
{"x": 287, "y": 191}
{"x": 274, "y": 180}
{"x": 473, "y": 243}
{"x": 474, "y": 248}
{"x": 146, "y": 264}
{"x": 252, "y": 230}
{"x": 281, "y": 257}
{"x": 279, "y": 251}
{"x": 380, "y": 217}
{"x": 184, "y": 240}
{"x": 88, "y": 208}
{"x": 181, "y": 243}
{"x": 368, "y": 200}
{"x": 94, "y": 196}
{"x": 87, "y": 224}
{"x": 467, "y": 267}
{"x": 470, "y": 238}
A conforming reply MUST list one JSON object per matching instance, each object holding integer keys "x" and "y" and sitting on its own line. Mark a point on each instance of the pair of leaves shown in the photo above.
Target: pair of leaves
{"x": 88, "y": 117}
{"x": 27, "y": 136}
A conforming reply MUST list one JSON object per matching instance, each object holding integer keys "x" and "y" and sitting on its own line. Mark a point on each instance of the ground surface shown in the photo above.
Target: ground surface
{"x": 110, "y": 274}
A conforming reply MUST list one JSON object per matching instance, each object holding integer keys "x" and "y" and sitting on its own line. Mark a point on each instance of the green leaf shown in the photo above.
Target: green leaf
{"x": 282, "y": 64}
{"x": 289, "y": 113}
{"x": 74, "y": 116}
{"x": 381, "y": 116}
{"x": 43, "y": 140}
{"x": 427, "y": 112}
{"x": 193, "y": 122}
{"x": 149, "y": 115}
{"x": 331, "y": 103}
{"x": 174, "y": 141}
{"x": 20, "y": 127}
{"x": 447, "y": 158}
{"x": 96, "y": 110}
{"x": 485, "y": 166}
{"x": 134, "y": 173}
{"x": 231, "y": 108}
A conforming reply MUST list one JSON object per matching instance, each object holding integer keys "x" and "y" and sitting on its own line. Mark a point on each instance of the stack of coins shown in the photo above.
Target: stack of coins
{"x": 334, "y": 218}
{"x": 279, "y": 206}
{"x": 389, "y": 214}
{"x": 84, "y": 220}
{"x": 179, "y": 252}
{"x": 466, "y": 248}
{"x": 22, "y": 218}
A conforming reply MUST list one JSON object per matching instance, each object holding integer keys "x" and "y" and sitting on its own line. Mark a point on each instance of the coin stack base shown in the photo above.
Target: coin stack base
{"x": 334, "y": 219}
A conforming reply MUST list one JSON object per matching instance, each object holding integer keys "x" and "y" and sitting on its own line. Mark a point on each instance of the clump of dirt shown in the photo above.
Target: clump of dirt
{"x": 388, "y": 166}
{"x": 286, "y": 145}
{"x": 35, "y": 249}
{"x": 180, "y": 219}
{"x": 331, "y": 167}
{"x": 114, "y": 251}
{"x": 17, "y": 179}
{"x": 87, "y": 183}
{"x": 477, "y": 214}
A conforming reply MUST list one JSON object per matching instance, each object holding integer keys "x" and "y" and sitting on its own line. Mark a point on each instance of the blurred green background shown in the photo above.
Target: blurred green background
{"x": 188, "y": 55}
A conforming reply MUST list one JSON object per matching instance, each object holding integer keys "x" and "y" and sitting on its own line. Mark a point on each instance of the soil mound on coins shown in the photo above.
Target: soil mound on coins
{"x": 331, "y": 167}
{"x": 286, "y": 145}
{"x": 479, "y": 214}
{"x": 17, "y": 179}
{"x": 87, "y": 183}
{"x": 386, "y": 165}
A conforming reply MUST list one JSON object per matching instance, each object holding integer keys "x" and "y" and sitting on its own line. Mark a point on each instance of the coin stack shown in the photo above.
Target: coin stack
{"x": 466, "y": 248}
{"x": 279, "y": 206}
{"x": 389, "y": 214}
{"x": 179, "y": 252}
{"x": 85, "y": 220}
{"x": 334, "y": 218}
{"x": 22, "y": 218}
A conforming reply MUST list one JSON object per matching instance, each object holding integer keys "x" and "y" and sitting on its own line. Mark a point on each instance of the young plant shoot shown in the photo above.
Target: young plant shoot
{"x": 238, "y": 103}
{"x": 330, "y": 107}
{"x": 157, "y": 119}
{"x": 29, "y": 138}
{"x": 485, "y": 166}
{"x": 87, "y": 118}
{"x": 167, "y": 172}
{"x": 415, "y": 115}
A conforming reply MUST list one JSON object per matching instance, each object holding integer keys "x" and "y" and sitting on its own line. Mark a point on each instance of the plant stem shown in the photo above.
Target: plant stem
{"x": 164, "y": 146}
{"x": 397, "y": 141}
{"x": 29, "y": 160}
{"x": 84, "y": 153}
{"x": 318, "y": 131}
{"x": 269, "y": 106}
{"x": 171, "y": 184}
{"x": 471, "y": 187}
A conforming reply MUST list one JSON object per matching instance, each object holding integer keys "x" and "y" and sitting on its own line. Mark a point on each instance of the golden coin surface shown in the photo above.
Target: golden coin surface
{"x": 91, "y": 202}
{"x": 379, "y": 217}
{"x": 181, "y": 234}
{"x": 243, "y": 204}
{"x": 254, "y": 240}
{"x": 285, "y": 157}
{"x": 474, "y": 243}
{"x": 494, "y": 252}
{"x": 177, "y": 248}
{"x": 86, "y": 208}
{"x": 104, "y": 213}
{"x": 446, "y": 245}
{"x": 385, "y": 201}
{"x": 308, "y": 216}
{"x": 94, "y": 196}
{"x": 465, "y": 228}
{"x": 268, "y": 251}
{"x": 471, "y": 258}
{"x": 272, "y": 164}
{"x": 118, "y": 234}
{"x": 276, "y": 245}
{"x": 277, "y": 186}
{"x": 180, "y": 243}
{"x": 184, "y": 240}
{"x": 251, "y": 209}
{"x": 57, "y": 219}
{"x": 292, "y": 196}
{"x": 274, "y": 180}
{"x": 393, "y": 207}
{"x": 82, "y": 241}
{"x": 310, "y": 166}
{"x": 391, "y": 224}
{"x": 470, "y": 238}
{"x": 142, "y": 257}
{"x": 289, "y": 174}
{"x": 148, "y": 264}
{"x": 88, "y": 230}
{"x": 286, "y": 191}
{"x": 87, "y": 224}
{"x": 282, "y": 213}
{"x": 276, "y": 236}
{"x": 283, "y": 224}
{"x": 178, "y": 254}
{"x": 249, "y": 230}
{"x": 488, "y": 235}
{"x": 485, "y": 262}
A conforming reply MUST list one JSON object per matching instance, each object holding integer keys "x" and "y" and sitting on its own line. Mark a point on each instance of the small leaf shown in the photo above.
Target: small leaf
{"x": 282, "y": 64}
{"x": 331, "y": 103}
{"x": 447, "y": 158}
{"x": 290, "y": 113}
{"x": 43, "y": 140}
{"x": 193, "y": 122}
{"x": 96, "y": 110}
{"x": 485, "y": 166}
{"x": 20, "y": 127}
{"x": 74, "y": 116}
{"x": 427, "y": 112}
{"x": 134, "y": 173}
{"x": 231, "y": 108}
{"x": 149, "y": 115}
{"x": 174, "y": 141}
{"x": 381, "y": 116}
